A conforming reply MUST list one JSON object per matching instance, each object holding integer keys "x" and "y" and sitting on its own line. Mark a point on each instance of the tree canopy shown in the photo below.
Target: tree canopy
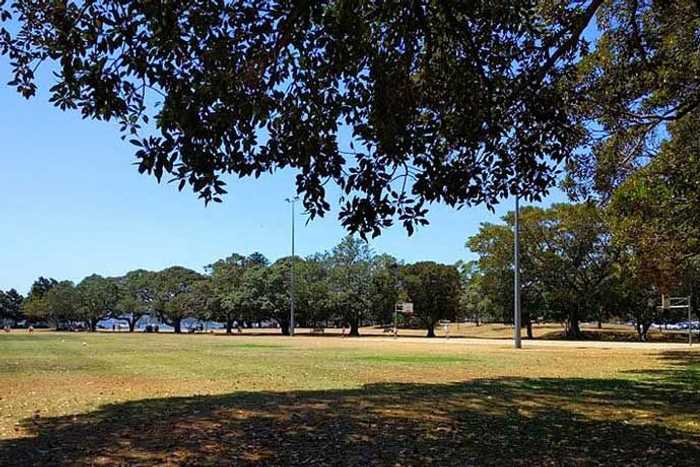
{"x": 11, "y": 305}
{"x": 98, "y": 299}
{"x": 136, "y": 296}
{"x": 442, "y": 101}
{"x": 177, "y": 295}
{"x": 567, "y": 262}
{"x": 452, "y": 102}
{"x": 641, "y": 79}
{"x": 434, "y": 289}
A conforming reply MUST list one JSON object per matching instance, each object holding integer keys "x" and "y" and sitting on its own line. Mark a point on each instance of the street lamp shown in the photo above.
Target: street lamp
{"x": 517, "y": 312}
{"x": 292, "y": 202}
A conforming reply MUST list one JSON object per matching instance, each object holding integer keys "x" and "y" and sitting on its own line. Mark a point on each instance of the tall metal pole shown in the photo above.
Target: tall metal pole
{"x": 517, "y": 343}
{"x": 291, "y": 304}
{"x": 292, "y": 201}
{"x": 690, "y": 322}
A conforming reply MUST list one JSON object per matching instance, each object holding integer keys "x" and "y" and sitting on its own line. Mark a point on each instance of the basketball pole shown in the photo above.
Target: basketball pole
{"x": 517, "y": 341}
{"x": 690, "y": 321}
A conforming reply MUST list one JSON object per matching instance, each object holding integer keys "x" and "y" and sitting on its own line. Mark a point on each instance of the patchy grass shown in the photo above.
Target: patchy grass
{"x": 411, "y": 359}
{"x": 145, "y": 399}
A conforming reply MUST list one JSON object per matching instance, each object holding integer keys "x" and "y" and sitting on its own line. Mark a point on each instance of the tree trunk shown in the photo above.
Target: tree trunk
{"x": 600, "y": 324}
{"x": 354, "y": 328}
{"x": 574, "y": 330}
{"x": 229, "y": 325}
{"x": 132, "y": 324}
{"x": 177, "y": 325}
{"x": 431, "y": 330}
{"x": 528, "y": 324}
{"x": 93, "y": 325}
{"x": 284, "y": 327}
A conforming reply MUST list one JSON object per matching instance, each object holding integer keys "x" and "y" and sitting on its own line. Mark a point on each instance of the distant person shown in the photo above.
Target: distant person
{"x": 239, "y": 329}
{"x": 30, "y": 329}
{"x": 343, "y": 331}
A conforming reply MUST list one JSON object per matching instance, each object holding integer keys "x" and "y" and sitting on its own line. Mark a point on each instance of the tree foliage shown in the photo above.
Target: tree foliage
{"x": 351, "y": 276}
{"x": 57, "y": 305}
{"x": 434, "y": 289}
{"x": 136, "y": 296}
{"x": 566, "y": 263}
{"x": 98, "y": 299}
{"x": 177, "y": 295}
{"x": 231, "y": 293}
{"x": 640, "y": 81}
{"x": 442, "y": 100}
{"x": 656, "y": 212}
{"x": 11, "y": 305}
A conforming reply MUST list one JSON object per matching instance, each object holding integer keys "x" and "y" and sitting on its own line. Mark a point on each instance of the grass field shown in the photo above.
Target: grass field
{"x": 203, "y": 399}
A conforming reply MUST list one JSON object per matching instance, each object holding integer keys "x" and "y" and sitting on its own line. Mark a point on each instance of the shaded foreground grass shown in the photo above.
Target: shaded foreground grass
{"x": 342, "y": 403}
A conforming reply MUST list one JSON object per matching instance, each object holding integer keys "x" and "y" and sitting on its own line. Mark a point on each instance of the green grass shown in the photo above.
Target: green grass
{"x": 144, "y": 399}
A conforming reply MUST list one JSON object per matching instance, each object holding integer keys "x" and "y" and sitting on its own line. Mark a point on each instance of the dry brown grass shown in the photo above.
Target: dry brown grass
{"x": 84, "y": 399}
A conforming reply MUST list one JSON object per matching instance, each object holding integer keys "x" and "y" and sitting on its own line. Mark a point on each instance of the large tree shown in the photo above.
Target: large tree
{"x": 441, "y": 99}
{"x": 352, "y": 270}
{"x": 573, "y": 251}
{"x": 494, "y": 245}
{"x": 313, "y": 291}
{"x": 385, "y": 288}
{"x": 567, "y": 263}
{"x": 434, "y": 289}
{"x": 136, "y": 292}
{"x": 230, "y": 294}
{"x": 59, "y": 305}
{"x": 98, "y": 299}
{"x": 274, "y": 291}
{"x": 177, "y": 295}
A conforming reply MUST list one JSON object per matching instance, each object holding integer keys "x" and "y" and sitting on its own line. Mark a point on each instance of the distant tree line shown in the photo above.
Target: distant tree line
{"x": 579, "y": 263}
{"x": 347, "y": 286}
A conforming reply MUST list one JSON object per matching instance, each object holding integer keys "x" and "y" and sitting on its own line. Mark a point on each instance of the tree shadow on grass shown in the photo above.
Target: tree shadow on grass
{"x": 505, "y": 421}
{"x": 681, "y": 375}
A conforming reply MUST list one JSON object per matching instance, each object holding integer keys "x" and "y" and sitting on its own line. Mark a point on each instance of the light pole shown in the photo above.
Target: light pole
{"x": 516, "y": 311}
{"x": 292, "y": 202}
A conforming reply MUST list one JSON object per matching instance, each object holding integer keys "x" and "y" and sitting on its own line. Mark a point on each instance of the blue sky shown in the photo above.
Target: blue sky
{"x": 72, "y": 205}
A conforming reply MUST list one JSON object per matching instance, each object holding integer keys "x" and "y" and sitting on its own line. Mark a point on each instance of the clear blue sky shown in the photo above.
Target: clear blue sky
{"x": 71, "y": 204}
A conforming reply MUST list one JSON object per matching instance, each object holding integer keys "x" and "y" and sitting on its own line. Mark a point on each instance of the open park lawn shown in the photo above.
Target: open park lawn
{"x": 269, "y": 400}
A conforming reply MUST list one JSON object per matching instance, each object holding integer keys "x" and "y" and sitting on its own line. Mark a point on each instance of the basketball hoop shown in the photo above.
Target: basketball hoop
{"x": 403, "y": 308}
{"x": 680, "y": 303}
{"x": 665, "y": 303}
{"x": 445, "y": 326}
